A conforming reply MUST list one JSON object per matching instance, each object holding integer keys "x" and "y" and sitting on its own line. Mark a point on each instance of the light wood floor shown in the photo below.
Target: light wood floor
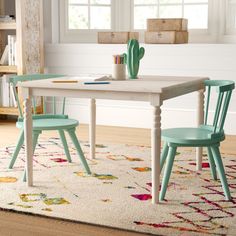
{"x": 108, "y": 134}
{"x": 14, "y": 224}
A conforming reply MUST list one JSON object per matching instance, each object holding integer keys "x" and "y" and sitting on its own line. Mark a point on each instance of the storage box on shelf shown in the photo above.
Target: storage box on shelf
{"x": 167, "y": 31}
{"x": 116, "y": 37}
{"x": 177, "y": 24}
{"x": 166, "y": 37}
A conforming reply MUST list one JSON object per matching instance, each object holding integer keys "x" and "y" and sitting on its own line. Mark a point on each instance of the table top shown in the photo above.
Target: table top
{"x": 144, "y": 84}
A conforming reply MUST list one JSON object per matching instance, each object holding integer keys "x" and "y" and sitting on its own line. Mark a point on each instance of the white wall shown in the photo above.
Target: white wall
{"x": 216, "y": 61}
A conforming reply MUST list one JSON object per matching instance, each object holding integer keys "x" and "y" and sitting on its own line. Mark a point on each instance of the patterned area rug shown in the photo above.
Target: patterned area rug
{"x": 117, "y": 194}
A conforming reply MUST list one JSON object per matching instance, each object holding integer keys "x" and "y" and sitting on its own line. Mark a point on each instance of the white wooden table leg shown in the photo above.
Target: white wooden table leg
{"x": 28, "y": 140}
{"x": 156, "y": 149}
{"x": 92, "y": 128}
{"x": 200, "y": 121}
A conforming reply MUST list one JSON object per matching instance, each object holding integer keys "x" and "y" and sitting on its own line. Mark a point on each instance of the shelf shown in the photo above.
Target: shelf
{"x": 8, "y": 111}
{"x": 23, "y": 26}
{"x": 7, "y": 25}
{"x": 14, "y": 110}
{"x": 8, "y": 69}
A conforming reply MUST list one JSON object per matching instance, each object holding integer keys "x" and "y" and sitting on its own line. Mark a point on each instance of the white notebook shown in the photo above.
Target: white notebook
{"x": 84, "y": 78}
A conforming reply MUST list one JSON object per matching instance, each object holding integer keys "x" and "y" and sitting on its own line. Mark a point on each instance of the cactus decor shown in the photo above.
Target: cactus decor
{"x": 132, "y": 58}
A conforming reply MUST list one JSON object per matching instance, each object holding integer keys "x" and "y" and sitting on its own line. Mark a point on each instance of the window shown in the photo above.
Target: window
{"x": 196, "y": 11}
{"x": 83, "y": 14}
{"x": 81, "y": 19}
{"x": 231, "y": 17}
{"x": 208, "y": 20}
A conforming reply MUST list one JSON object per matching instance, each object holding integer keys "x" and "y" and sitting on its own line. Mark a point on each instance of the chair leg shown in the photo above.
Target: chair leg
{"x": 35, "y": 141}
{"x": 79, "y": 150}
{"x": 167, "y": 172}
{"x": 212, "y": 163}
{"x": 17, "y": 149}
{"x": 65, "y": 145}
{"x": 24, "y": 176}
{"x": 164, "y": 154}
{"x": 221, "y": 171}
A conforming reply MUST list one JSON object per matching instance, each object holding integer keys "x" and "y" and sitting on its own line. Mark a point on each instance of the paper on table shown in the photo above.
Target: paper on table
{"x": 82, "y": 78}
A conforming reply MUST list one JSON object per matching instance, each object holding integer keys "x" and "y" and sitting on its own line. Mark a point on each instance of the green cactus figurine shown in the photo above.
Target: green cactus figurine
{"x": 132, "y": 58}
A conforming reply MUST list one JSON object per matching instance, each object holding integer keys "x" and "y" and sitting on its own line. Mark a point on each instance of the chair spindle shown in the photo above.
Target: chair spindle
{"x": 63, "y": 106}
{"x": 54, "y": 105}
{"x": 44, "y": 105}
{"x": 225, "y": 108}
{"x": 218, "y": 109}
{"x": 34, "y": 105}
{"x": 207, "y": 104}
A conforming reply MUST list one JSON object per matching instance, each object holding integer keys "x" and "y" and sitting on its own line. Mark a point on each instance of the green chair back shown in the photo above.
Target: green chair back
{"x": 22, "y": 78}
{"x": 224, "y": 90}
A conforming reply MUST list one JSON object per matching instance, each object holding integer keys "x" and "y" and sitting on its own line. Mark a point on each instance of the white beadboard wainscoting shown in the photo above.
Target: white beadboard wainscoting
{"x": 216, "y": 61}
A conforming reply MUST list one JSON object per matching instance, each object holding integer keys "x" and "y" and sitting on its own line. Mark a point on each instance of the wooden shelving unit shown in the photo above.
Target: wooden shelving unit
{"x": 28, "y": 22}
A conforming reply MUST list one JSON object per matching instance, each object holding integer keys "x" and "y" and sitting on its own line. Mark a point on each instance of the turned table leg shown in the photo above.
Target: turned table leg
{"x": 156, "y": 150}
{"x": 92, "y": 128}
{"x": 200, "y": 120}
{"x": 28, "y": 140}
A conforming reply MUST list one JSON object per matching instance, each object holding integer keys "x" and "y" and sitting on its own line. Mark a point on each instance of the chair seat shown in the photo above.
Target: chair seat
{"x": 191, "y": 136}
{"x": 51, "y": 124}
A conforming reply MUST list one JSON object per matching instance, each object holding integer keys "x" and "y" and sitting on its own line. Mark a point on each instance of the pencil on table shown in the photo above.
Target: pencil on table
{"x": 65, "y": 81}
{"x": 114, "y": 59}
{"x": 118, "y": 59}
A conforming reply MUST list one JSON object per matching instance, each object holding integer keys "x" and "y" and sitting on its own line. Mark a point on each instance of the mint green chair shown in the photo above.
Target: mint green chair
{"x": 43, "y": 122}
{"x": 208, "y": 135}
